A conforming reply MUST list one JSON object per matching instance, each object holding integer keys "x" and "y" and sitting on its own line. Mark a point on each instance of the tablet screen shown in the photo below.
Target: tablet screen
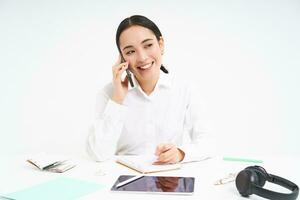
{"x": 157, "y": 184}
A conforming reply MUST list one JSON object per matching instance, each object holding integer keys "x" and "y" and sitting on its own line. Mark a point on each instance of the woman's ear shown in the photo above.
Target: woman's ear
{"x": 161, "y": 44}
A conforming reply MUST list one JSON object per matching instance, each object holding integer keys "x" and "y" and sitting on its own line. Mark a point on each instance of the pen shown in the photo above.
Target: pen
{"x": 242, "y": 159}
{"x": 129, "y": 180}
{"x": 53, "y": 165}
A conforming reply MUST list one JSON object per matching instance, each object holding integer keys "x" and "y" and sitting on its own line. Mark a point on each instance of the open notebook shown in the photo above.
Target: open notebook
{"x": 52, "y": 163}
{"x": 144, "y": 164}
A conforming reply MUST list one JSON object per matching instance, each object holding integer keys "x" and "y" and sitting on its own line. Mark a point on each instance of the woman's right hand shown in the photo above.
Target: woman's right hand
{"x": 120, "y": 88}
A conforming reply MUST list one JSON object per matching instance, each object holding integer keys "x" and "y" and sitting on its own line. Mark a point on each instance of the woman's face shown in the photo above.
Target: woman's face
{"x": 142, "y": 51}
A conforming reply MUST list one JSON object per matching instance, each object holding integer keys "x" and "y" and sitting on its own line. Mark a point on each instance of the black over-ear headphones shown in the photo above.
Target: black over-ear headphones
{"x": 252, "y": 179}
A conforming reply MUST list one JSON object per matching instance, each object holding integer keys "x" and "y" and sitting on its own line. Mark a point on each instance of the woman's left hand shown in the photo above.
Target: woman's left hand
{"x": 168, "y": 153}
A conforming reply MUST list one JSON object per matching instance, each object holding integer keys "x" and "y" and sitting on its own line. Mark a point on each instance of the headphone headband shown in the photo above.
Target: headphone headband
{"x": 252, "y": 179}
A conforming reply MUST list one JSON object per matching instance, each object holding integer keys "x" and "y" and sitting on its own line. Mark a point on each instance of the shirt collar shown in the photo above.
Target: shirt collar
{"x": 164, "y": 81}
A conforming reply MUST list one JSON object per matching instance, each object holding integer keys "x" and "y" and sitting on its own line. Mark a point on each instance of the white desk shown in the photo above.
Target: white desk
{"x": 16, "y": 174}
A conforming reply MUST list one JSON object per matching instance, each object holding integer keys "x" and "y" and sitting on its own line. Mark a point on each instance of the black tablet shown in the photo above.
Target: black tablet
{"x": 155, "y": 184}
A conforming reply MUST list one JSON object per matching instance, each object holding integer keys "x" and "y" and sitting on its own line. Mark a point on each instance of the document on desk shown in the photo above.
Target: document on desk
{"x": 144, "y": 164}
{"x": 52, "y": 163}
{"x": 59, "y": 189}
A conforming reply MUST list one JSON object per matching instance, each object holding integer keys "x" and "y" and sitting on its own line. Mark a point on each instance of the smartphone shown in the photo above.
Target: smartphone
{"x": 128, "y": 73}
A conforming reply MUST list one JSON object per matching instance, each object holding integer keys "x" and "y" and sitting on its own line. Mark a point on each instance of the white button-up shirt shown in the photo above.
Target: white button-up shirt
{"x": 167, "y": 115}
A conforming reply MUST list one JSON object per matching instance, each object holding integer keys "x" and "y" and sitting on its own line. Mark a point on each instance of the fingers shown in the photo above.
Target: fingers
{"x": 120, "y": 87}
{"x": 169, "y": 156}
{"x": 162, "y": 148}
{"x": 167, "y": 153}
{"x": 117, "y": 70}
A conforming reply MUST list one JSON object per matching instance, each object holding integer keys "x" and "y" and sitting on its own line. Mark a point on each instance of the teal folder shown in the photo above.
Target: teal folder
{"x": 61, "y": 188}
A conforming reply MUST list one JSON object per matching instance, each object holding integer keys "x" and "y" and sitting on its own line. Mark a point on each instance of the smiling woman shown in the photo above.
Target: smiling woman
{"x": 140, "y": 43}
{"x": 153, "y": 116}
{"x": 142, "y": 51}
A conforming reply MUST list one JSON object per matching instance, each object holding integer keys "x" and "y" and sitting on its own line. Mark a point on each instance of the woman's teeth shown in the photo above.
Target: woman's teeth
{"x": 146, "y": 66}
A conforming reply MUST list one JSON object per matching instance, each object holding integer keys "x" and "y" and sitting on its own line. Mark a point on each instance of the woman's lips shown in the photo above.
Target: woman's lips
{"x": 146, "y": 66}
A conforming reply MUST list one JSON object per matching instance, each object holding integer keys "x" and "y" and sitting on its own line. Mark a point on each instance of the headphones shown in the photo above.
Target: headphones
{"x": 252, "y": 179}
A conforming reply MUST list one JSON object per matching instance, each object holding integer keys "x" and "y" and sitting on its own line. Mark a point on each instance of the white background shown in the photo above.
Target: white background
{"x": 242, "y": 56}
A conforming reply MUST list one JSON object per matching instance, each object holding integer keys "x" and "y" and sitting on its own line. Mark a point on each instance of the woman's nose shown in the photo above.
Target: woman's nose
{"x": 142, "y": 56}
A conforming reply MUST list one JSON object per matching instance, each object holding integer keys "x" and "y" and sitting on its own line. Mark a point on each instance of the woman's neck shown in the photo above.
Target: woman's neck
{"x": 148, "y": 86}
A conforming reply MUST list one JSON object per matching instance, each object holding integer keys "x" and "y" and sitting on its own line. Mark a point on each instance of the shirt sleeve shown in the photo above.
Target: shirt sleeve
{"x": 197, "y": 143}
{"x": 106, "y": 129}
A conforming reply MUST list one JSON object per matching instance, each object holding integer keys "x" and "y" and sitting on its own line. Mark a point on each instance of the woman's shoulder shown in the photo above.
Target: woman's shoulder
{"x": 180, "y": 82}
{"x": 106, "y": 90}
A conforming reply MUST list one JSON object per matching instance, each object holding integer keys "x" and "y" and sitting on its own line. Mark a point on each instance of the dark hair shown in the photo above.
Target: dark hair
{"x": 140, "y": 21}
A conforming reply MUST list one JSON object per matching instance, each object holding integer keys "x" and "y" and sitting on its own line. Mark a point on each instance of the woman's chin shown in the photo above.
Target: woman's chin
{"x": 148, "y": 74}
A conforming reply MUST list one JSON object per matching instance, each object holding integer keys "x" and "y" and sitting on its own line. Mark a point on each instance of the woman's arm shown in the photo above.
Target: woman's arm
{"x": 106, "y": 130}
{"x": 197, "y": 143}
{"x": 107, "y": 127}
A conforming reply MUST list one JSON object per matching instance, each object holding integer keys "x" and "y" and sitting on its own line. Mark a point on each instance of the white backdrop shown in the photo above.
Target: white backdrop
{"x": 242, "y": 56}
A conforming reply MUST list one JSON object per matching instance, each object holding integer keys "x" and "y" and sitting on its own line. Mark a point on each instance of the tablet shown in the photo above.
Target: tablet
{"x": 156, "y": 184}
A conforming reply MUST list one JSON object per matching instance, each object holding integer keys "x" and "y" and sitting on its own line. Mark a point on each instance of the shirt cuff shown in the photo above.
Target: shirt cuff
{"x": 192, "y": 153}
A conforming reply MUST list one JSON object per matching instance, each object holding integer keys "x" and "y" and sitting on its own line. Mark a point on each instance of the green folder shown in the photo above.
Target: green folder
{"x": 61, "y": 188}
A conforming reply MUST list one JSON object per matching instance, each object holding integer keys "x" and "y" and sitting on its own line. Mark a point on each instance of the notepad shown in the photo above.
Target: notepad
{"x": 52, "y": 163}
{"x": 144, "y": 164}
{"x": 61, "y": 188}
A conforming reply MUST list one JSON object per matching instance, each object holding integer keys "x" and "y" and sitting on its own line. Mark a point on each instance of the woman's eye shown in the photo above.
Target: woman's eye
{"x": 148, "y": 45}
{"x": 129, "y": 52}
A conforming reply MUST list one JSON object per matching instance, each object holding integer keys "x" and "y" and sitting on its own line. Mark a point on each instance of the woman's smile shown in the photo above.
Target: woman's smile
{"x": 146, "y": 66}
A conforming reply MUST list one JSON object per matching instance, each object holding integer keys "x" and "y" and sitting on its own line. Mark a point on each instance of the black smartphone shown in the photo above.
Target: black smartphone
{"x": 128, "y": 73}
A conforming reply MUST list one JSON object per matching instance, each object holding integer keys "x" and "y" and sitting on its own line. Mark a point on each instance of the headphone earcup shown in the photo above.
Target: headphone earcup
{"x": 261, "y": 174}
{"x": 244, "y": 181}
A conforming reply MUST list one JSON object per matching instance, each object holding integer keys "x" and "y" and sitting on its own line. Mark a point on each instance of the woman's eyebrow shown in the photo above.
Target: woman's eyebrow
{"x": 130, "y": 46}
{"x": 146, "y": 40}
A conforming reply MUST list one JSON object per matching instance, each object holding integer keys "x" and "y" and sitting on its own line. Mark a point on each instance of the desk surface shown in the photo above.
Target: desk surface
{"x": 16, "y": 174}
